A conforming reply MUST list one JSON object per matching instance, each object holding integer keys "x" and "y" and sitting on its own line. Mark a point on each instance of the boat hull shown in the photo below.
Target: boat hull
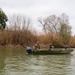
{"x": 51, "y": 52}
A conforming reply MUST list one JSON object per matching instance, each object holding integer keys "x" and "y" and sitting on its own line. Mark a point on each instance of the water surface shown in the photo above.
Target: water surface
{"x": 15, "y": 61}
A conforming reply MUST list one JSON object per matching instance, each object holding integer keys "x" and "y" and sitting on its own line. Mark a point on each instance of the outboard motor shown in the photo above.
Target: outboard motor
{"x": 29, "y": 49}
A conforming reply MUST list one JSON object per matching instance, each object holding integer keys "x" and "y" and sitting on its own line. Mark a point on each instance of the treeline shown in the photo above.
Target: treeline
{"x": 19, "y": 31}
{"x": 19, "y": 37}
{"x": 16, "y": 37}
{"x": 56, "y": 40}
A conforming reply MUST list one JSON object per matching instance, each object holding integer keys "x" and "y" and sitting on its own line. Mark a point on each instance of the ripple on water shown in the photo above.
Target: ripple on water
{"x": 21, "y": 64}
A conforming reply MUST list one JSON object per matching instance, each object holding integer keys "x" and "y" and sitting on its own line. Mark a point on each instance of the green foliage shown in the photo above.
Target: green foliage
{"x": 65, "y": 28}
{"x": 65, "y": 32}
{"x": 3, "y": 19}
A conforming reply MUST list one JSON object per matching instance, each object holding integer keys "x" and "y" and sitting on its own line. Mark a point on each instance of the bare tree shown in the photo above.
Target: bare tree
{"x": 26, "y": 23}
{"x": 50, "y": 24}
{"x": 21, "y": 28}
{"x": 56, "y": 25}
{"x": 19, "y": 22}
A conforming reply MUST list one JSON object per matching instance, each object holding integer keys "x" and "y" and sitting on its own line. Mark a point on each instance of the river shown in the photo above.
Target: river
{"x": 15, "y": 61}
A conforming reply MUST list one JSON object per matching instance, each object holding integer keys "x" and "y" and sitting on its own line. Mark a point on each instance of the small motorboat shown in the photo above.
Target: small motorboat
{"x": 50, "y": 52}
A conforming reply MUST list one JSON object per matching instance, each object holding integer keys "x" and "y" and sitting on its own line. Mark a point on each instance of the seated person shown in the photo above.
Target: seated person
{"x": 37, "y": 46}
{"x": 51, "y": 46}
{"x": 29, "y": 49}
{"x": 66, "y": 46}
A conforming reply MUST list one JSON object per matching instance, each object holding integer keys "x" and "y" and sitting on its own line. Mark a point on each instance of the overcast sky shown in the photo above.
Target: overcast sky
{"x": 40, "y": 8}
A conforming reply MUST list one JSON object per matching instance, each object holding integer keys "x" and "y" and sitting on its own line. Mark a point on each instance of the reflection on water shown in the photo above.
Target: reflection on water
{"x": 17, "y": 62}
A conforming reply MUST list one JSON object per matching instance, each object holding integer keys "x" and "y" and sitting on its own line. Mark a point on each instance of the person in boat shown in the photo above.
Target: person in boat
{"x": 50, "y": 46}
{"x": 66, "y": 47}
{"x": 29, "y": 49}
{"x": 37, "y": 46}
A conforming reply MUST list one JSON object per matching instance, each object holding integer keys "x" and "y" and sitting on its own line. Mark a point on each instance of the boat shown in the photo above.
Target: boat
{"x": 51, "y": 52}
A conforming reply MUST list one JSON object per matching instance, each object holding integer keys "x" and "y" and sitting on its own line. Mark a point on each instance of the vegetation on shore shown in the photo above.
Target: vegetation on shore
{"x": 19, "y": 30}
